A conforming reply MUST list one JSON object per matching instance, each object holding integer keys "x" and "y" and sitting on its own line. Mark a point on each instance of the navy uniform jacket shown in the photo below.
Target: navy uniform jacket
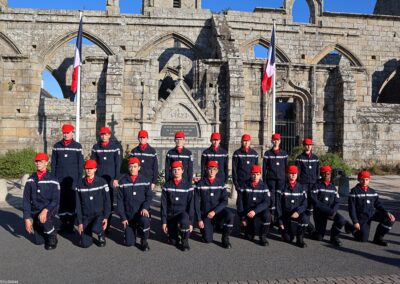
{"x": 249, "y": 198}
{"x": 210, "y": 197}
{"x": 187, "y": 160}
{"x": 92, "y": 199}
{"x": 308, "y": 168}
{"x": 148, "y": 162}
{"x": 290, "y": 201}
{"x": 221, "y": 156}
{"x": 67, "y": 161}
{"x": 133, "y": 196}
{"x": 325, "y": 198}
{"x": 241, "y": 166}
{"x": 274, "y": 165}
{"x": 176, "y": 199}
{"x": 362, "y": 204}
{"x": 108, "y": 160}
{"x": 40, "y": 194}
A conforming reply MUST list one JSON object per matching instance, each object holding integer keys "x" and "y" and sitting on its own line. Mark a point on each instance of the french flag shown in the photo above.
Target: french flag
{"x": 269, "y": 67}
{"x": 77, "y": 60}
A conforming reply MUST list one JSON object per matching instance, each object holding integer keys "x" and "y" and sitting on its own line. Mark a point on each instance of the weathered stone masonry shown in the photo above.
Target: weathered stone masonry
{"x": 187, "y": 68}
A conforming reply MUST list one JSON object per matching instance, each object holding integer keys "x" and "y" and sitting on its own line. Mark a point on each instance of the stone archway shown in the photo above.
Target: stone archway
{"x": 293, "y": 114}
{"x": 316, "y": 9}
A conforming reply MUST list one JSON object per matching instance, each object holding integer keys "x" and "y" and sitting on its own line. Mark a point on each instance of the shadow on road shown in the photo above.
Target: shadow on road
{"x": 14, "y": 224}
{"x": 393, "y": 261}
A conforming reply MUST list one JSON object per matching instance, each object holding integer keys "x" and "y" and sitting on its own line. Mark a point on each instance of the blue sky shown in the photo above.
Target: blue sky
{"x": 300, "y": 14}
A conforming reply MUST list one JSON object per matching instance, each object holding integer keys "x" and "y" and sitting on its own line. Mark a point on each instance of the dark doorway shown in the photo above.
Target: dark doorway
{"x": 286, "y": 123}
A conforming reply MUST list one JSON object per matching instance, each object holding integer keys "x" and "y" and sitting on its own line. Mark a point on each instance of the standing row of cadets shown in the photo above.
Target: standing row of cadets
{"x": 255, "y": 199}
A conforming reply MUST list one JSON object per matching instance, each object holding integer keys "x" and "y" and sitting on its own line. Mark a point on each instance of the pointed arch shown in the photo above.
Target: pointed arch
{"x": 60, "y": 82}
{"x": 153, "y": 43}
{"x": 10, "y": 43}
{"x": 340, "y": 48}
{"x": 48, "y": 52}
{"x": 281, "y": 55}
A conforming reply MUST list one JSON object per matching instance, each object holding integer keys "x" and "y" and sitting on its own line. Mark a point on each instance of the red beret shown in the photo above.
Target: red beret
{"x": 307, "y": 141}
{"x": 180, "y": 134}
{"x": 292, "y": 170}
{"x": 325, "y": 169}
{"x": 177, "y": 164}
{"x": 255, "y": 169}
{"x": 215, "y": 136}
{"x": 212, "y": 164}
{"x": 90, "y": 164}
{"x": 133, "y": 160}
{"x": 276, "y": 136}
{"x": 246, "y": 137}
{"x": 143, "y": 134}
{"x": 41, "y": 157}
{"x": 67, "y": 128}
{"x": 364, "y": 174}
{"x": 105, "y": 130}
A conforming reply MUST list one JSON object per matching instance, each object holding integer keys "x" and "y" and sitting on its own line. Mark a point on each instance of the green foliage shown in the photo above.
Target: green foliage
{"x": 332, "y": 159}
{"x": 295, "y": 152}
{"x": 335, "y": 161}
{"x": 16, "y": 163}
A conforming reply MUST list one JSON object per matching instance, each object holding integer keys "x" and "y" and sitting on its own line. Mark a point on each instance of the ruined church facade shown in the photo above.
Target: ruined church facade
{"x": 180, "y": 67}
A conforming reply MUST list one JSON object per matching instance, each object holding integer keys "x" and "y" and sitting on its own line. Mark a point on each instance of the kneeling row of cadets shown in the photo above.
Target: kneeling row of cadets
{"x": 208, "y": 205}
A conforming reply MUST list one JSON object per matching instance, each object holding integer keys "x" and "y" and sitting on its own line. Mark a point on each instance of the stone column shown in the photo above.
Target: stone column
{"x": 112, "y": 8}
{"x": 348, "y": 102}
{"x": 114, "y": 83}
{"x": 3, "y": 5}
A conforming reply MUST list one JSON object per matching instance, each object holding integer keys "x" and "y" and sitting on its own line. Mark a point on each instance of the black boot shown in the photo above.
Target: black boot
{"x": 263, "y": 240}
{"x": 144, "y": 244}
{"x": 286, "y": 237}
{"x": 101, "y": 240}
{"x": 263, "y": 235}
{"x": 300, "y": 241}
{"x": 317, "y": 237}
{"x": 51, "y": 242}
{"x": 378, "y": 240}
{"x": 335, "y": 241}
{"x": 185, "y": 244}
{"x": 225, "y": 238}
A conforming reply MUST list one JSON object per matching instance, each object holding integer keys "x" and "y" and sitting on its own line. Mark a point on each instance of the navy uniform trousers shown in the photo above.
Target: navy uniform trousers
{"x": 321, "y": 220}
{"x": 260, "y": 222}
{"x": 179, "y": 222}
{"x": 42, "y": 231}
{"x": 91, "y": 225}
{"x": 137, "y": 223}
{"x": 384, "y": 226}
{"x": 223, "y": 220}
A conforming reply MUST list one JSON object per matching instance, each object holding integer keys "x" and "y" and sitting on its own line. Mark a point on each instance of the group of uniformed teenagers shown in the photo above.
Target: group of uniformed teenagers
{"x": 274, "y": 194}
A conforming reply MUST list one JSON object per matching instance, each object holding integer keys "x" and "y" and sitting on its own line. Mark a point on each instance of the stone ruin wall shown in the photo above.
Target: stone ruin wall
{"x": 132, "y": 52}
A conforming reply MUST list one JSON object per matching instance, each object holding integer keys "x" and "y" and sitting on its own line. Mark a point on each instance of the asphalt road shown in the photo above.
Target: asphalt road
{"x": 23, "y": 261}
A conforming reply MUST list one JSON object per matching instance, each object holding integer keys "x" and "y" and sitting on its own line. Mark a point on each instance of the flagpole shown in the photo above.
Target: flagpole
{"x": 78, "y": 98}
{"x": 273, "y": 89}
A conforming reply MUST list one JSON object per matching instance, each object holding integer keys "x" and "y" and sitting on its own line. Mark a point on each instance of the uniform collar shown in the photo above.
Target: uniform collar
{"x": 246, "y": 149}
{"x": 67, "y": 142}
{"x": 133, "y": 178}
{"x": 41, "y": 174}
{"x": 211, "y": 180}
{"x": 177, "y": 181}
{"x": 89, "y": 181}
{"x": 143, "y": 146}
